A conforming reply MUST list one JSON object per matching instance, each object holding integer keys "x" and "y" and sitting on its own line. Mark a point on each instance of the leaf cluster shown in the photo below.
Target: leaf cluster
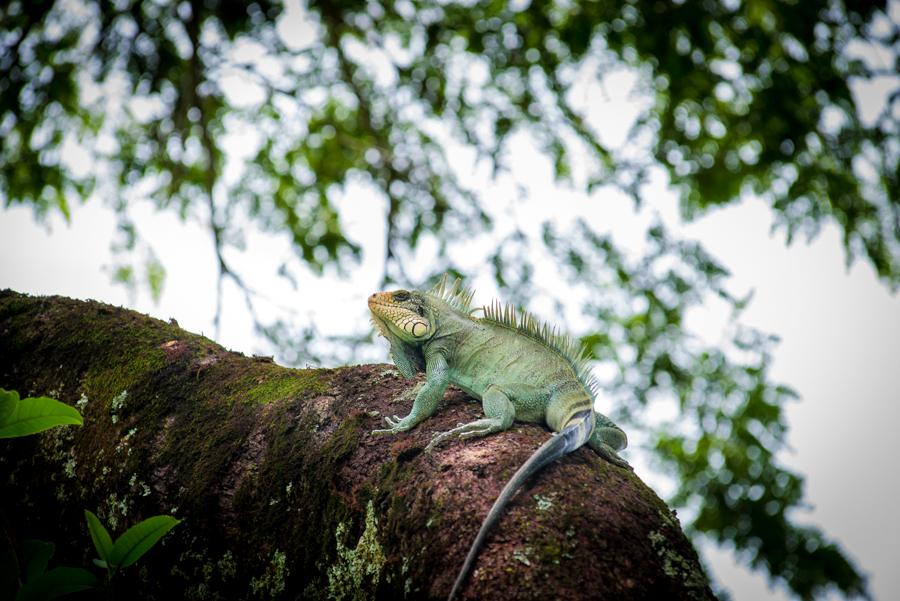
{"x": 39, "y": 583}
{"x": 29, "y": 578}
{"x": 131, "y": 545}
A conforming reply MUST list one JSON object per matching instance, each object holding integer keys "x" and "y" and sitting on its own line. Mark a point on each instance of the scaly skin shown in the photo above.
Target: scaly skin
{"x": 520, "y": 371}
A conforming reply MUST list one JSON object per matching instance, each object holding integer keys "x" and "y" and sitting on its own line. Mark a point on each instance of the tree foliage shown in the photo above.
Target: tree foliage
{"x": 736, "y": 97}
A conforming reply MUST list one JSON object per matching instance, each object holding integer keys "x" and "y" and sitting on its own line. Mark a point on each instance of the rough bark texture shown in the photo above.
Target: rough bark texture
{"x": 283, "y": 491}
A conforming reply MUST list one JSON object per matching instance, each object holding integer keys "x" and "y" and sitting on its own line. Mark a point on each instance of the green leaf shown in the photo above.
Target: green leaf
{"x": 56, "y": 583}
{"x": 101, "y": 564}
{"x": 156, "y": 277}
{"x": 37, "y": 554}
{"x": 100, "y": 536}
{"x": 138, "y": 539}
{"x": 9, "y": 571}
{"x": 34, "y": 415}
{"x": 8, "y": 401}
{"x": 124, "y": 275}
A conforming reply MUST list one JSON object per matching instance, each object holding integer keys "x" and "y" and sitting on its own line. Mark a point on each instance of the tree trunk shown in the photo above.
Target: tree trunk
{"x": 282, "y": 490}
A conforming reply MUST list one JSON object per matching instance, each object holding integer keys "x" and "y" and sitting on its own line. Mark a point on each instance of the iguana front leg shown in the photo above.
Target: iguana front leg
{"x": 499, "y": 414}
{"x": 427, "y": 399}
{"x": 410, "y": 394}
{"x": 403, "y": 362}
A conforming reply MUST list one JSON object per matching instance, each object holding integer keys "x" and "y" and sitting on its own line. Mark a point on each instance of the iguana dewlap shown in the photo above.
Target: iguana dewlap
{"x": 519, "y": 369}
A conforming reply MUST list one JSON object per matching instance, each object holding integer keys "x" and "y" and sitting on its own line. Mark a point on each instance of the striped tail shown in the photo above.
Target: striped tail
{"x": 576, "y": 433}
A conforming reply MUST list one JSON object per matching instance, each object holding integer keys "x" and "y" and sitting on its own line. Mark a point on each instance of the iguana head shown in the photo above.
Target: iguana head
{"x": 403, "y": 314}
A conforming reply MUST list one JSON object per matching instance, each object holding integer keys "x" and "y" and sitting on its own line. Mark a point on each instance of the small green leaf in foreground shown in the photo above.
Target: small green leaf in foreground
{"x": 36, "y": 554}
{"x": 34, "y": 415}
{"x": 138, "y": 539}
{"x": 99, "y": 534}
{"x": 56, "y": 583}
{"x": 8, "y": 401}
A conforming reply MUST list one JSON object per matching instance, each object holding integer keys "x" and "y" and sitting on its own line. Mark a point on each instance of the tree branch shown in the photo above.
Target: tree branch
{"x": 281, "y": 486}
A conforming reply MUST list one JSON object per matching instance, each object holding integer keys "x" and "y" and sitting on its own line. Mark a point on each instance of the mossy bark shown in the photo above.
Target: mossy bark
{"x": 281, "y": 488}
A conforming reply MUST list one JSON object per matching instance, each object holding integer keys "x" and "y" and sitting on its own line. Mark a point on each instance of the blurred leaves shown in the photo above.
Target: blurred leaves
{"x": 156, "y": 275}
{"x": 721, "y": 446}
{"x": 744, "y": 97}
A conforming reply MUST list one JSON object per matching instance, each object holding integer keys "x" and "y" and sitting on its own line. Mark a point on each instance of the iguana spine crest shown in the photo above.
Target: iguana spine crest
{"x": 506, "y": 315}
{"x": 456, "y": 294}
{"x": 527, "y": 324}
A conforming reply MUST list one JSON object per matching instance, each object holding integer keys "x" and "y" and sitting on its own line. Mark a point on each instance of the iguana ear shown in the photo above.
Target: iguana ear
{"x": 417, "y": 326}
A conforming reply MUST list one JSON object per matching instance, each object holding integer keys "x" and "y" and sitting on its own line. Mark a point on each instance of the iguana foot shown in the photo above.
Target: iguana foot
{"x": 401, "y": 424}
{"x": 397, "y": 424}
{"x": 607, "y": 452}
{"x": 436, "y": 440}
{"x": 480, "y": 427}
{"x": 608, "y": 438}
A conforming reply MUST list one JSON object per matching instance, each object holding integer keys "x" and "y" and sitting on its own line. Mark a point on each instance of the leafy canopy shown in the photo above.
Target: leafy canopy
{"x": 733, "y": 98}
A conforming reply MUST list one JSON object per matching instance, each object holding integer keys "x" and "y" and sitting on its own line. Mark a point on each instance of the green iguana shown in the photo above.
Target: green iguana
{"x": 519, "y": 369}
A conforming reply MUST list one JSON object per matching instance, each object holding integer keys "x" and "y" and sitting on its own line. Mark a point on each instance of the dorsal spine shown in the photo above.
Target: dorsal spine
{"x": 456, "y": 295}
{"x": 505, "y": 315}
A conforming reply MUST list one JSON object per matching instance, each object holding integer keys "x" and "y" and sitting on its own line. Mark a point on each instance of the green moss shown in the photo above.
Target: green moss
{"x": 204, "y": 578}
{"x": 227, "y": 566}
{"x": 119, "y": 372}
{"x": 271, "y": 583}
{"x": 674, "y": 564}
{"x": 342, "y": 441}
{"x": 277, "y": 385}
{"x": 551, "y": 552}
{"x": 355, "y": 573}
{"x": 13, "y": 303}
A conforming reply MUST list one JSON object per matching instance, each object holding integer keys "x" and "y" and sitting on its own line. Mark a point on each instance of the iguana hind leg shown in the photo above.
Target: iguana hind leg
{"x": 608, "y": 438}
{"x": 499, "y": 415}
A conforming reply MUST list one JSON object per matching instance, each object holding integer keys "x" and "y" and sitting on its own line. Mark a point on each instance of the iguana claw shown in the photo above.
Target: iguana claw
{"x": 437, "y": 439}
{"x": 610, "y": 455}
{"x": 396, "y": 424}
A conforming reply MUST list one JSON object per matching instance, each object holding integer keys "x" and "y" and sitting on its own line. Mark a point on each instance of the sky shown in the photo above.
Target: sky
{"x": 839, "y": 326}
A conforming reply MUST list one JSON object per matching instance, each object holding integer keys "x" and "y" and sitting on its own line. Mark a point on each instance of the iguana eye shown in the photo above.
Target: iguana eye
{"x": 400, "y": 297}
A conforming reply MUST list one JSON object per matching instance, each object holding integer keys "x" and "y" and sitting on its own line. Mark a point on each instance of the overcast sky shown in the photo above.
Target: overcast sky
{"x": 839, "y": 327}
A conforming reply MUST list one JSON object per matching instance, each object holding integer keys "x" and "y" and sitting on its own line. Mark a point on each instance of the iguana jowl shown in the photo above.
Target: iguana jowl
{"x": 519, "y": 369}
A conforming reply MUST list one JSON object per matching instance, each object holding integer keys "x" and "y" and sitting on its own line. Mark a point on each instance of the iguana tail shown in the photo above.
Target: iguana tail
{"x": 576, "y": 433}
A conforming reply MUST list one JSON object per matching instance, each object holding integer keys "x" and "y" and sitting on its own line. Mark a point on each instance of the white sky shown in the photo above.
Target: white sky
{"x": 840, "y": 327}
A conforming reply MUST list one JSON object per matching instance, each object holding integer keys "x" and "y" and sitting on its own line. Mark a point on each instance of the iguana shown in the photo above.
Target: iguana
{"x": 519, "y": 368}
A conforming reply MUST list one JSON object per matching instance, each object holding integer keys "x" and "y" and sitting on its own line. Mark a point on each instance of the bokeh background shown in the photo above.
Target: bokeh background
{"x": 704, "y": 192}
